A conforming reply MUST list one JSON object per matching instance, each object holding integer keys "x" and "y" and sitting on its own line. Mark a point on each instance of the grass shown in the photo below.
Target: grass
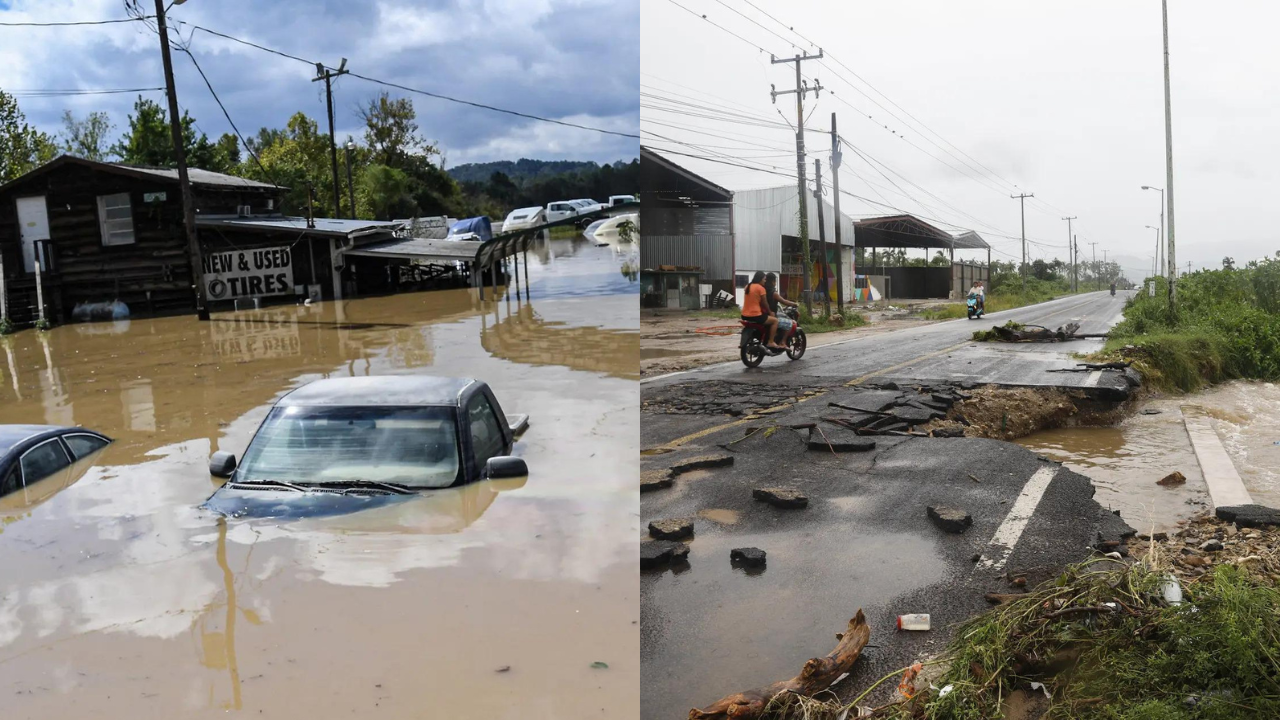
{"x": 1226, "y": 326}
{"x": 1107, "y": 647}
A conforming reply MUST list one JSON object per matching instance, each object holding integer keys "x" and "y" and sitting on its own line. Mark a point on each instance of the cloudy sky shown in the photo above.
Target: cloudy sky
{"x": 572, "y": 60}
{"x": 1063, "y": 99}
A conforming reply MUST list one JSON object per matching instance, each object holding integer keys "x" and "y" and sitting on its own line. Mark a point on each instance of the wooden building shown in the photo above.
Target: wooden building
{"x": 99, "y": 233}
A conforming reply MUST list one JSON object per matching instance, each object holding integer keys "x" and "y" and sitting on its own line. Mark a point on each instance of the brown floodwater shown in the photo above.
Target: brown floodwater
{"x": 1127, "y": 459}
{"x": 121, "y": 598}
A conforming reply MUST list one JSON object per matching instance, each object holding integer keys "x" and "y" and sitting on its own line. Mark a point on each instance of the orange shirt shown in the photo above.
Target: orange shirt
{"x": 755, "y": 304}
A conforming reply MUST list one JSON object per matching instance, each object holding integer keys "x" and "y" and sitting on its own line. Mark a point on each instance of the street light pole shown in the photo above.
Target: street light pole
{"x": 1155, "y": 268}
{"x": 1069, "y": 236}
{"x": 1168, "y": 152}
{"x": 351, "y": 192}
{"x": 1160, "y": 237}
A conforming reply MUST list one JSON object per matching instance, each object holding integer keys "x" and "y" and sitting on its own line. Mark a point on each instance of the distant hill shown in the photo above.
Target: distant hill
{"x": 521, "y": 171}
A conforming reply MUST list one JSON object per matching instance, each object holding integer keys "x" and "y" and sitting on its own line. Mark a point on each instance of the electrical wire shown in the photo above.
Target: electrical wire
{"x": 38, "y": 92}
{"x": 76, "y": 23}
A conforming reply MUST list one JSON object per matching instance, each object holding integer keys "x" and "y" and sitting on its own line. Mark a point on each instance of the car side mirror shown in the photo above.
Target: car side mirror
{"x": 222, "y": 464}
{"x": 505, "y": 467}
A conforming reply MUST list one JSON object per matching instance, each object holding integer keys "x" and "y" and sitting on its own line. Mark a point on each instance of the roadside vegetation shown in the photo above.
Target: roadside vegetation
{"x": 1226, "y": 326}
{"x": 1045, "y": 281}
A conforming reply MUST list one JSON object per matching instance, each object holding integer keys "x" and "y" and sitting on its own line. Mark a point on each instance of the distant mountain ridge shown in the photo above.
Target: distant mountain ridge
{"x": 522, "y": 170}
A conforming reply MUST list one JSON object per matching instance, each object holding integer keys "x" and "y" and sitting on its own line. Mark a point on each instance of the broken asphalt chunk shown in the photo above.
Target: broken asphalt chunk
{"x": 651, "y": 480}
{"x": 673, "y": 529}
{"x": 747, "y": 557}
{"x": 780, "y": 497}
{"x": 1173, "y": 478}
{"x": 1246, "y": 516}
{"x": 838, "y": 442}
{"x": 949, "y": 519}
{"x": 701, "y": 462}
{"x": 661, "y": 552}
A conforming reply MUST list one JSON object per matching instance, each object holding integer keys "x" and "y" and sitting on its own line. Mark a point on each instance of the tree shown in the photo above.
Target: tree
{"x": 22, "y": 147}
{"x": 226, "y": 154}
{"x": 149, "y": 140}
{"x": 385, "y": 192}
{"x": 391, "y": 131}
{"x": 1229, "y": 263}
{"x": 87, "y": 137}
{"x": 297, "y": 157}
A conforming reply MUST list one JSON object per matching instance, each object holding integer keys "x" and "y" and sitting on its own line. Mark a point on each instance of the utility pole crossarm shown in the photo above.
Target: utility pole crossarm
{"x": 802, "y": 88}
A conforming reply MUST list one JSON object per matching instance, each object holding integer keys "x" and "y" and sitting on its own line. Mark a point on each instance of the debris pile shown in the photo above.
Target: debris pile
{"x": 1205, "y": 543}
{"x": 1017, "y": 332}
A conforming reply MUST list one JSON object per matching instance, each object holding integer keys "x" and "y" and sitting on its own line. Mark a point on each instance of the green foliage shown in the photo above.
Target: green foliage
{"x": 1213, "y": 657}
{"x": 384, "y": 191}
{"x": 520, "y": 171}
{"x": 22, "y": 147}
{"x": 149, "y": 140}
{"x": 1226, "y": 325}
{"x": 6, "y": 326}
{"x": 87, "y": 137}
{"x": 42, "y": 324}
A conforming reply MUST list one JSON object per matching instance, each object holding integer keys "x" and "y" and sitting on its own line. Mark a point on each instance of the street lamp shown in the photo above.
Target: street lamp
{"x": 351, "y": 193}
{"x": 1160, "y": 237}
{"x": 1155, "y": 261}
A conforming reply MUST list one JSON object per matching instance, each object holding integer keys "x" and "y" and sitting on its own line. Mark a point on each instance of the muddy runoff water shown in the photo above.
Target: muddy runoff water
{"x": 1125, "y": 460}
{"x": 121, "y": 597}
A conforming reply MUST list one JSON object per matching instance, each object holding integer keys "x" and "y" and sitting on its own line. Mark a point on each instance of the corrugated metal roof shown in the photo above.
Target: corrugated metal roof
{"x": 421, "y": 249}
{"x": 335, "y": 227}
{"x": 908, "y": 231}
{"x": 199, "y": 177}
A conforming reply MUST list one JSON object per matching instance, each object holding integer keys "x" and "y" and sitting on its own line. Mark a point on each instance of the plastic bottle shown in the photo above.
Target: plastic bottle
{"x": 915, "y": 621}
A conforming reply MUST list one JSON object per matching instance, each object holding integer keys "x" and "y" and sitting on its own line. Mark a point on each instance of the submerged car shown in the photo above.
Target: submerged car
{"x": 346, "y": 444}
{"x": 522, "y": 218}
{"x": 31, "y": 453}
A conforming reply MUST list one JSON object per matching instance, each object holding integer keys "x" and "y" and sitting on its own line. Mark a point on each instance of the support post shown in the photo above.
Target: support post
{"x": 180, "y": 155}
{"x": 836, "y": 159}
{"x": 1168, "y": 155}
{"x": 4, "y": 295}
{"x": 824, "y": 283}
{"x": 526, "y": 272}
{"x": 39, "y": 291}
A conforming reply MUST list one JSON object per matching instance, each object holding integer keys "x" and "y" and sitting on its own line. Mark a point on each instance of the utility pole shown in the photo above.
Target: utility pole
{"x": 1096, "y": 283}
{"x": 1022, "y": 201}
{"x": 184, "y": 180}
{"x": 822, "y": 238}
{"x": 1168, "y": 152}
{"x": 323, "y": 73}
{"x": 351, "y": 190}
{"x": 836, "y": 159}
{"x": 802, "y": 87}
{"x": 1075, "y": 263}
{"x": 1069, "y": 235}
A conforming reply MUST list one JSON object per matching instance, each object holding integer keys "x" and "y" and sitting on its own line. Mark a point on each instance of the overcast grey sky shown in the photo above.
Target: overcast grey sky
{"x": 572, "y": 60}
{"x": 1063, "y": 99}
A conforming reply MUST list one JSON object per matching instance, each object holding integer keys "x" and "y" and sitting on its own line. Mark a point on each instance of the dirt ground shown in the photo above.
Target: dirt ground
{"x": 670, "y": 341}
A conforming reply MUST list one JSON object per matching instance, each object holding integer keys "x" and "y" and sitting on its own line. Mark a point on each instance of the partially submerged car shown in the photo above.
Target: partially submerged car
{"x": 522, "y": 218}
{"x": 31, "y": 453}
{"x": 347, "y": 444}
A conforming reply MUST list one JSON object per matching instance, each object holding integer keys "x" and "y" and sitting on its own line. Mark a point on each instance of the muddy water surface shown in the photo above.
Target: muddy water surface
{"x": 1126, "y": 460}
{"x": 120, "y": 597}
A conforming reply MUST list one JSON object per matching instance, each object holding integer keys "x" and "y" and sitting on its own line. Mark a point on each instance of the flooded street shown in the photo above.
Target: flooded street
{"x": 120, "y": 597}
{"x": 1126, "y": 460}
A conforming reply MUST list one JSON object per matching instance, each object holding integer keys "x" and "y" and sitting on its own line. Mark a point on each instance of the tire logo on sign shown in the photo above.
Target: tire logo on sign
{"x": 217, "y": 289}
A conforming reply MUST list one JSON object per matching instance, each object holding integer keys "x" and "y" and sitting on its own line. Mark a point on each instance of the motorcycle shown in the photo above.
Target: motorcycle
{"x": 976, "y": 307}
{"x": 1113, "y": 289}
{"x": 752, "y": 347}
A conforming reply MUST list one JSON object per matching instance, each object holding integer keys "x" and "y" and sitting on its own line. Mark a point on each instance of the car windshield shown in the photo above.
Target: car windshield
{"x": 410, "y": 446}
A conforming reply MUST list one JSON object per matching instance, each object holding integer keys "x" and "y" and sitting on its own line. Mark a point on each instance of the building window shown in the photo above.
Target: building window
{"x": 115, "y": 216}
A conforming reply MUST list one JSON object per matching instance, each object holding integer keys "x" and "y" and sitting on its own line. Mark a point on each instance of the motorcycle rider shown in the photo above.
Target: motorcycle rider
{"x": 981, "y": 293}
{"x": 775, "y": 301}
{"x": 755, "y": 309}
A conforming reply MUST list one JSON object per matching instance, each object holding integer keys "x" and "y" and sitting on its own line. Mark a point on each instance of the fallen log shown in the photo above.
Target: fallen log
{"x": 817, "y": 675}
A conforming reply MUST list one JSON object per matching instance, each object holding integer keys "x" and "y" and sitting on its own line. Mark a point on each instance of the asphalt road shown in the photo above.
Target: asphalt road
{"x": 864, "y": 541}
{"x": 944, "y": 352}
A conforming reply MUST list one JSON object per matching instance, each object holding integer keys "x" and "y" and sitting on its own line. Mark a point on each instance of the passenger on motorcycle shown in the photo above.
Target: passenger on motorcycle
{"x": 775, "y": 301}
{"x": 755, "y": 309}
{"x": 980, "y": 292}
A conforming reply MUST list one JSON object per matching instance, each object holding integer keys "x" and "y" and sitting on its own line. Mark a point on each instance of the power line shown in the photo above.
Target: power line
{"x": 77, "y": 22}
{"x": 428, "y": 93}
{"x": 42, "y": 92}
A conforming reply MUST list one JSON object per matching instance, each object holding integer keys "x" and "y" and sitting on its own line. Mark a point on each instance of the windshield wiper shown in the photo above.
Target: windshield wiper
{"x": 394, "y": 488}
{"x": 268, "y": 483}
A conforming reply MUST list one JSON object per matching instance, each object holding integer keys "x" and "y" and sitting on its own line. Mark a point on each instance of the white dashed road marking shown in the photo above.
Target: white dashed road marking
{"x": 1015, "y": 522}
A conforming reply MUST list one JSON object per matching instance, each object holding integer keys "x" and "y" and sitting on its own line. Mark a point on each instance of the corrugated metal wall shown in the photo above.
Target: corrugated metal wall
{"x": 762, "y": 217}
{"x": 686, "y": 220}
{"x": 712, "y": 253}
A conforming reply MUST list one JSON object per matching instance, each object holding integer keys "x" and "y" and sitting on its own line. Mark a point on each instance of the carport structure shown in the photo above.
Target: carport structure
{"x": 908, "y": 231}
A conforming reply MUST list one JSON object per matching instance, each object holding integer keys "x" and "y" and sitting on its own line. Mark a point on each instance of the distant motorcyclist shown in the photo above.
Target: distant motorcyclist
{"x": 979, "y": 292}
{"x": 755, "y": 309}
{"x": 775, "y": 301}
{"x": 1113, "y": 288}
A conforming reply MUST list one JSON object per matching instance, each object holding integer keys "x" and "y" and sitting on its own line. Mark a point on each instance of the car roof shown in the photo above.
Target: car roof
{"x": 384, "y": 390}
{"x": 12, "y": 435}
{"x": 526, "y": 210}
